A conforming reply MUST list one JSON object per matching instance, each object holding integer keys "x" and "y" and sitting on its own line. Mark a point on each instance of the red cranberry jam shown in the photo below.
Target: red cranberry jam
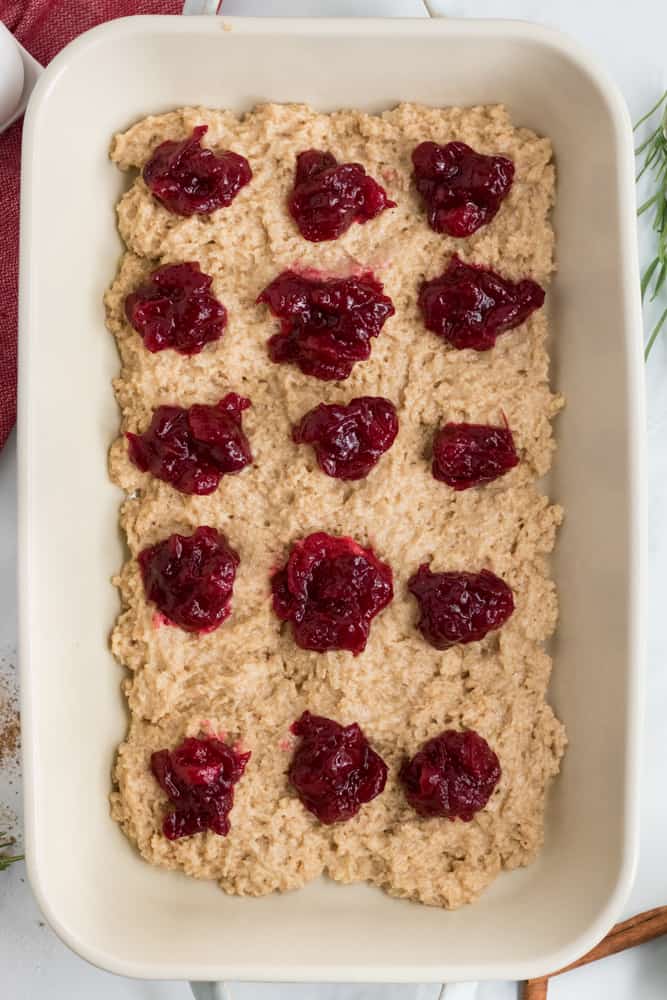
{"x": 328, "y": 197}
{"x": 192, "y": 449}
{"x": 334, "y": 769}
{"x": 326, "y": 323}
{"x": 198, "y": 777}
{"x": 463, "y": 190}
{"x": 470, "y": 306}
{"x": 191, "y": 578}
{"x": 349, "y": 439}
{"x": 453, "y": 775}
{"x": 188, "y": 179}
{"x": 175, "y": 308}
{"x": 466, "y": 455}
{"x": 330, "y": 589}
{"x": 459, "y": 607}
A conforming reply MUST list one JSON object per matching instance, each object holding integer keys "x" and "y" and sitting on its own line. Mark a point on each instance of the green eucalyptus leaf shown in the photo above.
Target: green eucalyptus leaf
{"x": 654, "y": 149}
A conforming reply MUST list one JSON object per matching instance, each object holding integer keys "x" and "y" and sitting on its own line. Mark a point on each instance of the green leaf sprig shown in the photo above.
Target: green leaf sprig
{"x": 8, "y": 859}
{"x": 654, "y": 151}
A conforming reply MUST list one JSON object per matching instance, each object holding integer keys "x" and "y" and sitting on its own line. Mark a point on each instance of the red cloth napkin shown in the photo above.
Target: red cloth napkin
{"x": 43, "y": 27}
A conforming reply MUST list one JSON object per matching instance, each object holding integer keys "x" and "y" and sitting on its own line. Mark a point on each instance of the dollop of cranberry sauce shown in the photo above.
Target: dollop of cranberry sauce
{"x": 334, "y": 769}
{"x": 175, "y": 308}
{"x": 192, "y": 449}
{"x": 349, "y": 439}
{"x": 191, "y": 578}
{"x": 459, "y": 607}
{"x": 453, "y": 775}
{"x": 198, "y": 777}
{"x": 328, "y": 197}
{"x": 463, "y": 190}
{"x": 470, "y": 306}
{"x": 189, "y": 180}
{"x": 330, "y": 589}
{"x": 466, "y": 455}
{"x": 326, "y": 324}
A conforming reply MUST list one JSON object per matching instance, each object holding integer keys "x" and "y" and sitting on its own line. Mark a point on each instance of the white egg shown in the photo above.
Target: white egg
{"x": 11, "y": 75}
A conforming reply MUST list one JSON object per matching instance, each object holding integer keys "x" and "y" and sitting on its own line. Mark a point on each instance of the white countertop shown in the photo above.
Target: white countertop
{"x": 629, "y": 39}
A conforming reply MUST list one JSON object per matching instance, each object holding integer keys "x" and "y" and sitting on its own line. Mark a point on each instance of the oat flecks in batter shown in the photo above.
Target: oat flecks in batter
{"x": 248, "y": 678}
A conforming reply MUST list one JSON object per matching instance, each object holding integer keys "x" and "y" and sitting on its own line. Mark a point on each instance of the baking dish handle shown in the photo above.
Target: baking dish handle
{"x": 210, "y": 991}
{"x": 429, "y": 7}
{"x": 196, "y": 7}
{"x": 448, "y": 991}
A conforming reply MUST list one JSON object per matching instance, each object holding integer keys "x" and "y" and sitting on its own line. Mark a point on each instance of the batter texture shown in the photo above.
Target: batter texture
{"x": 248, "y": 679}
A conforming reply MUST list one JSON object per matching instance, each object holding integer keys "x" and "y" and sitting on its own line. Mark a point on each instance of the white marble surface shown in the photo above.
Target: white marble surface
{"x": 629, "y": 39}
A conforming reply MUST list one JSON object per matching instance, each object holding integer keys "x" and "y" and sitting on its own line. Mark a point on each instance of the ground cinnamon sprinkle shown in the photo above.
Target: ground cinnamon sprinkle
{"x": 10, "y": 725}
{"x": 10, "y": 741}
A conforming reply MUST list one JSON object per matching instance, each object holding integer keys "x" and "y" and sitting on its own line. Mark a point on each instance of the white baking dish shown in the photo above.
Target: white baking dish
{"x": 105, "y": 902}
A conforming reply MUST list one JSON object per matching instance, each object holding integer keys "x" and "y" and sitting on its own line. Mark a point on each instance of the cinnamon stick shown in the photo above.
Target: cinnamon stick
{"x": 629, "y": 933}
{"x": 535, "y": 989}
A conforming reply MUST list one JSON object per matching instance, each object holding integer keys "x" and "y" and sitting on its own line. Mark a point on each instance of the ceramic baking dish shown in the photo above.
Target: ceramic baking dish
{"x": 104, "y": 901}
